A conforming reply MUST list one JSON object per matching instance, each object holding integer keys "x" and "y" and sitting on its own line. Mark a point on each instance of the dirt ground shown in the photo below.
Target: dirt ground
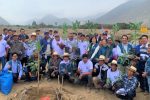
{"x": 77, "y": 91}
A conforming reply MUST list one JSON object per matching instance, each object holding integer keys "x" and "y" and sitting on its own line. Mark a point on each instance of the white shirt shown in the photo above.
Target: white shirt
{"x": 48, "y": 50}
{"x": 85, "y": 67}
{"x": 83, "y": 46}
{"x": 113, "y": 76}
{"x": 125, "y": 48}
{"x": 56, "y": 47}
{"x": 3, "y": 46}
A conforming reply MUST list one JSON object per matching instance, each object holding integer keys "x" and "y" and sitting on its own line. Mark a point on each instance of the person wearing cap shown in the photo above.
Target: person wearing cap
{"x": 58, "y": 45}
{"x": 39, "y": 37}
{"x": 3, "y": 51}
{"x": 53, "y": 65}
{"x": 112, "y": 74}
{"x": 101, "y": 69}
{"x": 128, "y": 89}
{"x": 85, "y": 68}
{"x": 83, "y": 45}
{"x": 71, "y": 45}
{"x": 46, "y": 44}
{"x": 17, "y": 46}
{"x": 65, "y": 67}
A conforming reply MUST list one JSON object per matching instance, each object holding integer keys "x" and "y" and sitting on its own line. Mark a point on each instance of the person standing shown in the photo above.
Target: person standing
{"x": 3, "y": 50}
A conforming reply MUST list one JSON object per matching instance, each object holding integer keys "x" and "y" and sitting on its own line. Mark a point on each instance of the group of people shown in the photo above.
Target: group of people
{"x": 95, "y": 60}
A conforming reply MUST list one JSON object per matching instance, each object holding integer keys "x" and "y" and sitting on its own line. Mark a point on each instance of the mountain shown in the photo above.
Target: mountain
{"x": 52, "y": 20}
{"x": 131, "y": 11}
{"x": 3, "y": 21}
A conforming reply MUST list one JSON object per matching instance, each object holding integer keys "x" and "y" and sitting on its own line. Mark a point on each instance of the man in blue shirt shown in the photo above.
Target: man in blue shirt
{"x": 15, "y": 67}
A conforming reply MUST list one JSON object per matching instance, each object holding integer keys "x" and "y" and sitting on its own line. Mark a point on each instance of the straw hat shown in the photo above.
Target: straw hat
{"x": 66, "y": 55}
{"x": 33, "y": 34}
{"x": 132, "y": 68}
{"x": 16, "y": 34}
{"x": 114, "y": 62}
{"x": 101, "y": 57}
{"x": 55, "y": 54}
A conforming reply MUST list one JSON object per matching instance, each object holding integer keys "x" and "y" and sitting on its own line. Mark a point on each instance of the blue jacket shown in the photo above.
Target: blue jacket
{"x": 65, "y": 67}
{"x": 92, "y": 49}
{"x": 44, "y": 44}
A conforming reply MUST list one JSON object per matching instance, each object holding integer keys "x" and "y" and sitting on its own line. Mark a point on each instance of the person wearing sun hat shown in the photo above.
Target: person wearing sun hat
{"x": 65, "y": 67}
{"x": 112, "y": 74}
{"x": 31, "y": 45}
{"x": 53, "y": 65}
{"x": 100, "y": 69}
{"x": 128, "y": 89}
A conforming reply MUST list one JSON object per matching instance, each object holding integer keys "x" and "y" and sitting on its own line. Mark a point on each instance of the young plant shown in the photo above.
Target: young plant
{"x": 75, "y": 26}
{"x": 38, "y": 48}
{"x": 115, "y": 29}
{"x": 135, "y": 27}
{"x": 65, "y": 30}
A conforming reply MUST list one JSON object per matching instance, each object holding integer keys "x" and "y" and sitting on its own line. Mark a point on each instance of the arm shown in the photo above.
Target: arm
{"x": 95, "y": 52}
{"x": 119, "y": 51}
{"x": 7, "y": 66}
{"x": 20, "y": 71}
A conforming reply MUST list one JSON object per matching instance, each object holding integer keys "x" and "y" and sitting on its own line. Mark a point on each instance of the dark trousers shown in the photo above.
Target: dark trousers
{"x": 143, "y": 81}
{"x": 3, "y": 61}
{"x": 24, "y": 60}
{"x": 15, "y": 77}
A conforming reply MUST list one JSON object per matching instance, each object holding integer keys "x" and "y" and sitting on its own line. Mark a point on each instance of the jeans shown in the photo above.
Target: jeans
{"x": 3, "y": 61}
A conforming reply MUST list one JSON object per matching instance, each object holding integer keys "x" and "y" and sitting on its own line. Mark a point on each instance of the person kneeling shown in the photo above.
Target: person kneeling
{"x": 65, "y": 68}
{"x": 85, "y": 68}
{"x": 128, "y": 89}
{"x": 100, "y": 80}
{"x": 112, "y": 75}
{"x": 54, "y": 66}
{"x": 15, "y": 67}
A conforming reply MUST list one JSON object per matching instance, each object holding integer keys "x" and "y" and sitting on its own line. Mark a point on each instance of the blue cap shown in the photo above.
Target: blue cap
{"x": 46, "y": 33}
{"x": 104, "y": 33}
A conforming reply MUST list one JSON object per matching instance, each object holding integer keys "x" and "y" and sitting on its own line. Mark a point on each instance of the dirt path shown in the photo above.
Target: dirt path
{"x": 78, "y": 90}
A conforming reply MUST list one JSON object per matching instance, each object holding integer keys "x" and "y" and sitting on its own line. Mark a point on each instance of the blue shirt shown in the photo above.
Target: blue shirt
{"x": 15, "y": 66}
{"x": 129, "y": 84}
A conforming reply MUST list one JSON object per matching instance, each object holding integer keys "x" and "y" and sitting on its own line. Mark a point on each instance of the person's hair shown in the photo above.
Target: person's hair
{"x": 50, "y": 30}
{"x": 13, "y": 30}
{"x": 144, "y": 36}
{"x": 15, "y": 53}
{"x": 55, "y": 31}
{"x": 117, "y": 41}
{"x": 148, "y": 45}
{"x": 5, "y": 29}
{"x": 37, "y": 30}
{"x": 92, "y": 38}
{"x": 9, "y": 29}
{"x": 22, "y": 29}
{"x": 85, "y": 56}
{"x": 124, "y": 36}
{"x": 74, "y": 33}
{"x": 82, "y": 35}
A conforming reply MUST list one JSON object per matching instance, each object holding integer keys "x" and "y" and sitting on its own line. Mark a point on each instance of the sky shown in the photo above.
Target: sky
{"x": 20, "y": 11}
